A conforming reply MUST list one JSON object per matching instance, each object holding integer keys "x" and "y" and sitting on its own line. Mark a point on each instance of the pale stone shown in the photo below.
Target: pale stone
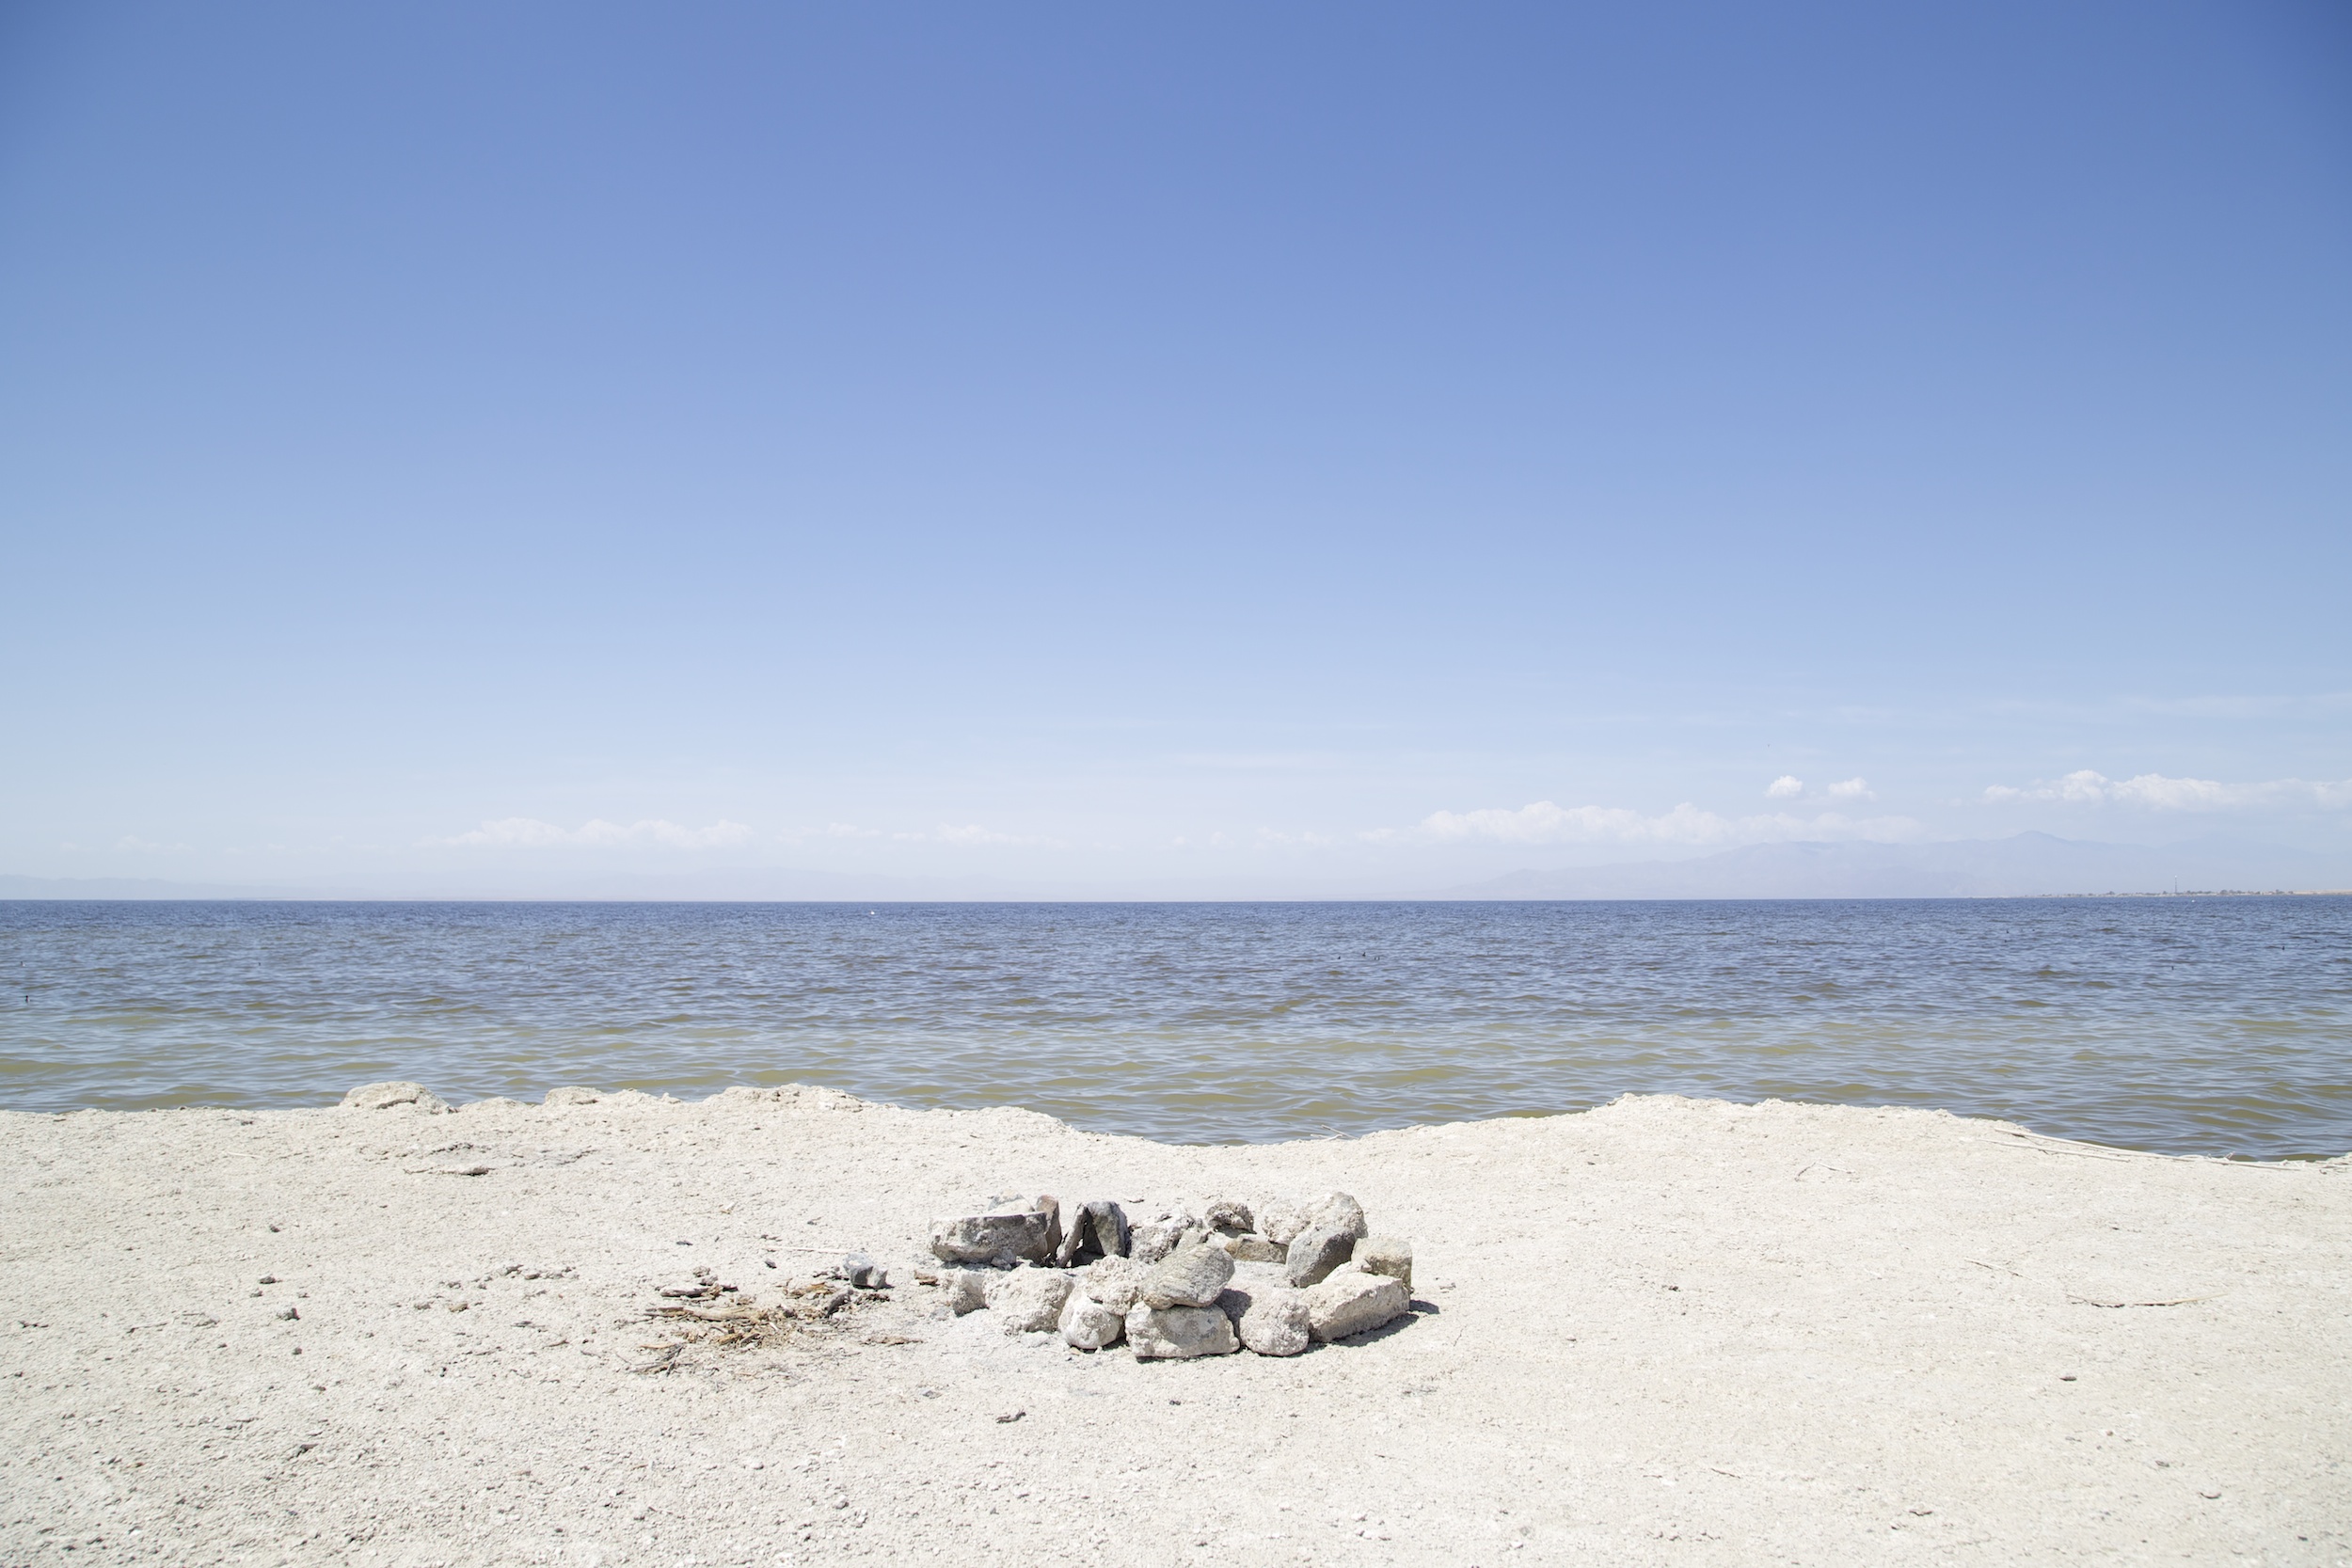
{"x": 1028, "y": 1300}
{"x": 1271, "y": 1321}
{"x": 1388, "y": 1255}
{"x": 383, "y": 1097}
{"x": 1282, "y": 1219}
{"x": 1160, "y": 1235}
{"x": 1260, "y": 1277}
{"x": 1006, "y": 1234}
{"x": 1191, "y": 1277}
{"x": 1116, "y": 1282}
{"x": 1089, "y": 1324}
{"x": 1353, "y": 1303}
{"x": 966, "y": 1289}
{"x": 1249, "y": 1249}
{"x": 1338, "y": 1212}
{"x": 1178, "y": 1333}
{"x": 1287, "y": 1219}
{"x": 1229, "y": 1216}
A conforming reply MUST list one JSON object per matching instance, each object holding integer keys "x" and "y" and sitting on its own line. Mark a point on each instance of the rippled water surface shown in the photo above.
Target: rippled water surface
{"x": 2195, "y": 1025}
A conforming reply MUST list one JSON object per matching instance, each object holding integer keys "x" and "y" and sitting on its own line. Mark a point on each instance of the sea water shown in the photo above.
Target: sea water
{"x": 2192, "y": 1025}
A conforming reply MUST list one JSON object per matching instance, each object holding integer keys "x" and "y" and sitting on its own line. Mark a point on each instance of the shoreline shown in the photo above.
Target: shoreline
{"x": 695, "y": 1095}
{"x": 1662, "y": 1330}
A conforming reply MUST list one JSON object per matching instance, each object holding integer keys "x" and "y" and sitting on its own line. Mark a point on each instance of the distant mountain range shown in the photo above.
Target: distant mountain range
{"x": 2024, "y": 865}
{"x": 749, "y": 885}
{"x": 147, "y": 887}
{"x": 2020, "y": 866}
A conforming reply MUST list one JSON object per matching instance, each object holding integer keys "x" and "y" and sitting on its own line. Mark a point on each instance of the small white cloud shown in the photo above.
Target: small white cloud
{"x": 1790, "y": 788}
{"x": 1274, "y": 838}
{"x": 851, "y": 829}
{"x": 529, "y": 833}
{"x": 2155, "y": 792}
{"x": 1545, "y": 823}
{"x": 972, "y": 832}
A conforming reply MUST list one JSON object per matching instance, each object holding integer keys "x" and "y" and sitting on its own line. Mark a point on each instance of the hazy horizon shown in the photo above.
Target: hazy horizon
{"x": 2021, "y": 865}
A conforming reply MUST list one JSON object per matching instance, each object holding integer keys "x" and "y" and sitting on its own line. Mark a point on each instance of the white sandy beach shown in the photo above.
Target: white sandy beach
{"x": 1667, "y": 1331}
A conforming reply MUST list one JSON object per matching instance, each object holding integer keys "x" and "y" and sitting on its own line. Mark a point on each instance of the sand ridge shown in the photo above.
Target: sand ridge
{"x": 1664, "y": 1331}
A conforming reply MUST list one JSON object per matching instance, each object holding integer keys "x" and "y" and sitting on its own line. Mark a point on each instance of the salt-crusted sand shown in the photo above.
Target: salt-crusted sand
{"x": 1666, "y": 1331}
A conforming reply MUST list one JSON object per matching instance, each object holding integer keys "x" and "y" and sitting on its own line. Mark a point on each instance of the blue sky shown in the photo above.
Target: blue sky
{"x": 1217, "y": 442}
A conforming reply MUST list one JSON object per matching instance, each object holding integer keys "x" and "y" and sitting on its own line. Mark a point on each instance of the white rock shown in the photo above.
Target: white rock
{"x": 1286, "y": 1219}
{"x": 1270, "y": 1319}
{"x": 1259, "y": 1276}
{"x": 1388, "y": 1255}
{"x": 1089, "y": 1324}
{"x": 1191, "y": 1277}
{"x": 1340, "y": 1212}
{"x": 1280, "y": 1219}
{"x": 1160, "y": 1235}
{"x": 1353, "y": 1303}
{"x": 1249, "y": 1249}
{"x": 1116, "y": 1282}
{"x": 1029, "y": 1300}
{"x": 966, "y": 1290}
{"x": 1179, "y": 1333}
{"x": 1019, "y": 1230}
{"x": 1229, "y": 1217}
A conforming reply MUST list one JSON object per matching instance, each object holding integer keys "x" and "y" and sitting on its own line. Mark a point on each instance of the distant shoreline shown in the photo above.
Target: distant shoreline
{"x": 276, "y": 898}
{"x": 2023, "y": 866}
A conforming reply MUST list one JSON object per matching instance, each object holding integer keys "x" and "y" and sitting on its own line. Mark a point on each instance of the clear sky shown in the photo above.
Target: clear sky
{"x": 1216, "y": 442}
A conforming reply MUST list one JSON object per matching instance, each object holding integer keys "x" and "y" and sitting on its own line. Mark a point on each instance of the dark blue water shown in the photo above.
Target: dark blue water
{"x": 2193, "y": 1025}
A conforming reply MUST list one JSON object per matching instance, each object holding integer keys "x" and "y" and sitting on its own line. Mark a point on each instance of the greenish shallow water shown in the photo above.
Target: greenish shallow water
{"x": 2206, "y": 1025}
